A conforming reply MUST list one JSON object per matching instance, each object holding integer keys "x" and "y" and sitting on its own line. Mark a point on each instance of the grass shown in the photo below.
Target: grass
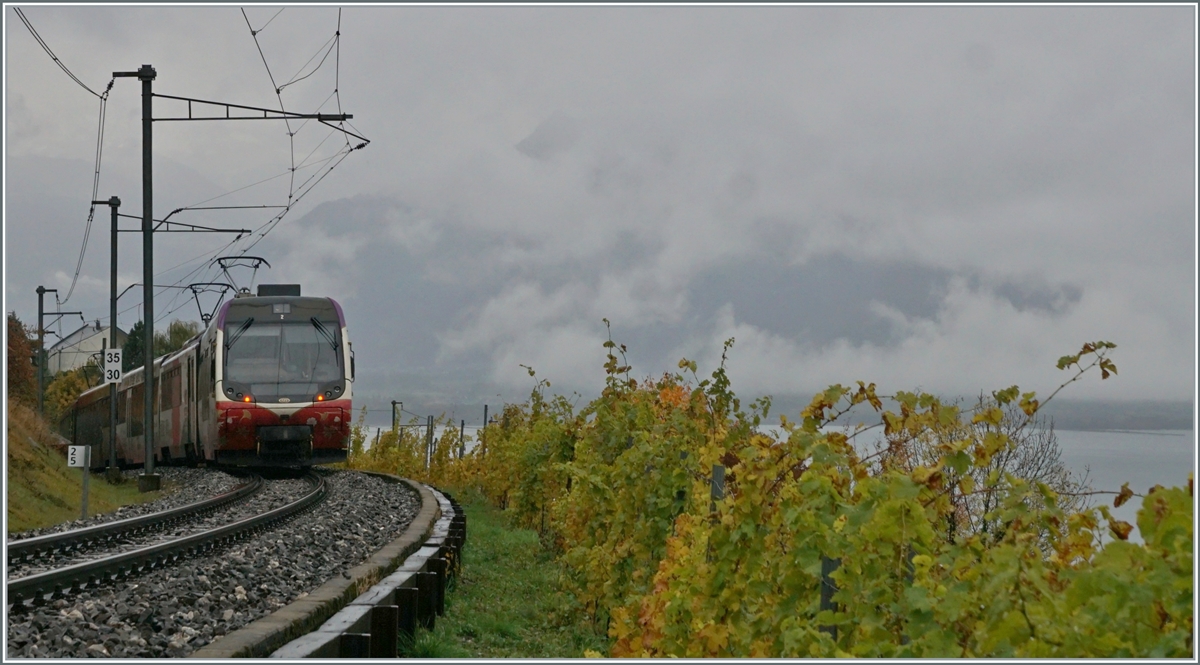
{"x": 506, "y": 602}
{"x": 42, "y": 489}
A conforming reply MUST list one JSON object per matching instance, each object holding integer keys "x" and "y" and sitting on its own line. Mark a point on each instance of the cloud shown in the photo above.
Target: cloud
{"x": 949, "y": 197}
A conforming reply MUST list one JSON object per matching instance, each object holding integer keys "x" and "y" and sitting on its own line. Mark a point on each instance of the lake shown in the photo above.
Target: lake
{"x": 1141, "y": 458}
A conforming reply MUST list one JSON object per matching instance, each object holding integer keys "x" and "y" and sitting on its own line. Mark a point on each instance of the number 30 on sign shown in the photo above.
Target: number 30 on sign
{"x": 112, "y": 366}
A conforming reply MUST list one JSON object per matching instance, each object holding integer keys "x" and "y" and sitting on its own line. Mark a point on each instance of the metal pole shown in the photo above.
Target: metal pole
{"x": 146, "y": 75}
{"x": 41, "y": 356}
{"x": 87, "y": 463}
{"x": 462, "y": 439}
{"x": 482, "y": 444}
{"x": 393, "y": 416}
{"x": 113, "y": 204}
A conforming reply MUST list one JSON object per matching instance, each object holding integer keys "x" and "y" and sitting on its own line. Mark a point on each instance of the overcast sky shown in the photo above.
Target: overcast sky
{"x": 939, "y": 197}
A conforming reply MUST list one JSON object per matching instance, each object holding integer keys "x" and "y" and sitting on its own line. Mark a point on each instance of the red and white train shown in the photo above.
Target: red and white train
{"x": 268, "y": 383}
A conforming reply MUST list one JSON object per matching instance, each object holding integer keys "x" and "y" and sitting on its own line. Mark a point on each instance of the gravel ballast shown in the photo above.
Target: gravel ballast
{"x": 173, "y": 611}
{"x": 273, "y": 494}
{"x": 181, "y": 485}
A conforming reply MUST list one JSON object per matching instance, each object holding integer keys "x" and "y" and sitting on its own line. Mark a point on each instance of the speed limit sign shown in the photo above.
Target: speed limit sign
{"x": 112, "y": 365}
{"x": 79, "y": 456}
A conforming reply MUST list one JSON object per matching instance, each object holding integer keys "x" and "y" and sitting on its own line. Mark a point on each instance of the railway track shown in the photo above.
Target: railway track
{"x": 101, "y": 535}
{"x": 60, "y": 582}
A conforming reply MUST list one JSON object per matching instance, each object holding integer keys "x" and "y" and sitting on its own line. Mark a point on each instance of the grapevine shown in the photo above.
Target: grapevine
{"x": 623, "y": 490}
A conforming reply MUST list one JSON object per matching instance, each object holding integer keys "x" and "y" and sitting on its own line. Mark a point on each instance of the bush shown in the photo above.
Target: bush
{"x": 22, "y": 374}
{"x": 676, "y": 563}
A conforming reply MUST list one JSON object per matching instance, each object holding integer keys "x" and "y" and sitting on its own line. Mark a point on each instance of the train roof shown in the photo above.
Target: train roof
{"x": 316, "y": 304}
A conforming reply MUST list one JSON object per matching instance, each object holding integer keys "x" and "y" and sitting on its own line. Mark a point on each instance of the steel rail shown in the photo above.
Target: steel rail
{"x": 35, "y": 588}
{"x": 78, "y": 539}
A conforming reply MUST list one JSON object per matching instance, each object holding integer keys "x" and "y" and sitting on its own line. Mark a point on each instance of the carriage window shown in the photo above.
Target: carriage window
{"x": 170, "y": 388}
{"x": 137, "y": 409}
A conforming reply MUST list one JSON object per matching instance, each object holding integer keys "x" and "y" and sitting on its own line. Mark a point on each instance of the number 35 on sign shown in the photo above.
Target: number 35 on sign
{"x": 112, "y": 366}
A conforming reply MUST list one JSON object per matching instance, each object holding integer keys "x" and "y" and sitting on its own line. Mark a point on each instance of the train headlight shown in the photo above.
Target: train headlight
{"x": 229, "y": 391}
{"x": 337, "y": 389}
{"x": 328, "y": 394}
{"x": 320, "y": 398}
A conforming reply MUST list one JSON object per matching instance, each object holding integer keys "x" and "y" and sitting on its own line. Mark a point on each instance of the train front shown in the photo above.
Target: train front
{"x": 284, "y": 382}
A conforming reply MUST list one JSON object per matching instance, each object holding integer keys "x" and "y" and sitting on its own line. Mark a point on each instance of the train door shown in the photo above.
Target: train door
{"x": 122, "y": 423}
{"x": 187, "y": 409}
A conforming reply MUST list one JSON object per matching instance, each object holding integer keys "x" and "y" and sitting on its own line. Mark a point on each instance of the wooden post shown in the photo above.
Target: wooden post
{"x": 828, "y": 588}
{"x": 407, "y": 603}
{"x": 384, "y": 626}
{"x": 717, "y": 491}
{"x": 354, "y": 645}
{"x": 439, "y": 567}
{"x": 429, "y": 443}
{"x": 426, "y": 597}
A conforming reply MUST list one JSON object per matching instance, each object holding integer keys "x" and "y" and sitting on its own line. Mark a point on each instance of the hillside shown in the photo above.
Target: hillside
{"x": 42, "y": 489}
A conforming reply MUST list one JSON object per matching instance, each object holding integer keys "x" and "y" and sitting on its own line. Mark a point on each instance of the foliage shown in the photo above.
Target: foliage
{"x": 133, "y": 354}
{"x": 41, "y": 489}
{"x": 22, "y": 376}
{"x": 404, "y": 451}
{"x": 505, "y": 603}
{"x": 676, "y": 564}
{"x": 66, "y": 387}
{"x": 176, "y": 335}
{"x": 1032, "y": 454}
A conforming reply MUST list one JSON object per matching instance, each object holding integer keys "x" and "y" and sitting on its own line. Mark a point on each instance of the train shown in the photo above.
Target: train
{"x": 268, "y": 383}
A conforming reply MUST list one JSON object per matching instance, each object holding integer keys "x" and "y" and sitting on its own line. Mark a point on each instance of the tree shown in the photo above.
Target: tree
{"x": 176, "y": 335}
{"x": 66, "y": 387}
{"x": 134, "y": 353}
{"x": 1033, "y": 455}
{"x": 22, "y": 376}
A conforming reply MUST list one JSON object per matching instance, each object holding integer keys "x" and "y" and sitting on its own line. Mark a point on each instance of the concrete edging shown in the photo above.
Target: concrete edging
{"x": 259, "y": 638}
{"x": 413, "y": 596}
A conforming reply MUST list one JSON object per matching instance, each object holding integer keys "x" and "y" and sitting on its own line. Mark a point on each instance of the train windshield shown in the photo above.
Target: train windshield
{"x": 292, "y": 359}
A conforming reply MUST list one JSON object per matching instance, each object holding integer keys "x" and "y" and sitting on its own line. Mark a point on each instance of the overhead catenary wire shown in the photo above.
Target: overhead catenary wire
{"x": 295, "y": 194}
{"x": 298, "y": 187}
{"x": 49, "y": 52}
{"x": 103, "y": 97}
{"x": 297, "y": 78}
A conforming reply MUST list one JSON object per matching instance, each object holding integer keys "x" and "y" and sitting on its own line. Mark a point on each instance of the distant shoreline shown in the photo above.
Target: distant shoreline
{"x": 1165, "y": 431}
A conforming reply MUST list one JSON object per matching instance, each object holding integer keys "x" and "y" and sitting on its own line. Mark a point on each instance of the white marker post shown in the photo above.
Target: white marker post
{"x": 81, "y": 456}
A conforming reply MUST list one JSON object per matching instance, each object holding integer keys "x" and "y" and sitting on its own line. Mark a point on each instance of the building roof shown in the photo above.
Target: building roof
{"x": 87, "y": 331}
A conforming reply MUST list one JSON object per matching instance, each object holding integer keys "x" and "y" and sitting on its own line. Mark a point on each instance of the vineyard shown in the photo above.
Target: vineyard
{"x": 686, "y": 531}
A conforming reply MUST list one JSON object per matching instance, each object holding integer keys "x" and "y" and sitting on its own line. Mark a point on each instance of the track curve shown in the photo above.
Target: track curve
{"x": 35, "y": 589}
